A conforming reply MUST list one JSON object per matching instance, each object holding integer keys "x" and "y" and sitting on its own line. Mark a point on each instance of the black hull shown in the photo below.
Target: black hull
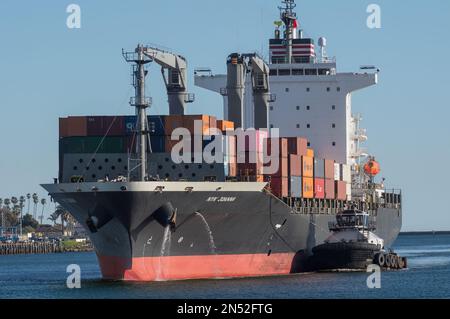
{"x": 256, "y": 228}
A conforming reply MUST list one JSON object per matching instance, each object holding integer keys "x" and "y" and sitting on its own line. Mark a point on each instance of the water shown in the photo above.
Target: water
{"x": 44, "y": 276}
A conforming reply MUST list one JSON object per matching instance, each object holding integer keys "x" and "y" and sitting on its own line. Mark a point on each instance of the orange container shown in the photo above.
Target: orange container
{"x": 172, "y": 122}
{"x": 310, "y": 152}
{"x": 307, "y": 166}
{"x": 212, "y": 122}
{"x": 308, "y": 187}
{"x": 225, "y": 125}
{"x": 189, "y": 122}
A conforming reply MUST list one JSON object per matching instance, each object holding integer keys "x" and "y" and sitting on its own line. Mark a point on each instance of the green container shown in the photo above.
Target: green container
{"x": 91, "y": 144}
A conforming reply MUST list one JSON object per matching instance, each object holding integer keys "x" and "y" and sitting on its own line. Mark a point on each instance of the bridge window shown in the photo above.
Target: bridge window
{"x": 298, "y": 72}
{"x": 284, "y": 72}
{"x": 311, "y": 72}
{"x": 273, "y": 72}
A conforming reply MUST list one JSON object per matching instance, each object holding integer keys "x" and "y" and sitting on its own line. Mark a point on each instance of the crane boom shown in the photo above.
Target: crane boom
{"x": 174, "y": 70}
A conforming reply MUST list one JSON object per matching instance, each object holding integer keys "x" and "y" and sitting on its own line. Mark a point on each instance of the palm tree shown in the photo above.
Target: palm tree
{"x": 22, "y": 203}
{"x": 3, "y": 215}
{"x": 43, "y": 202}
{"x": 35, "y": 201}
{"x": 7, "y": 202}
{"x": 28, "y": 197}
{"x": 54, "y": 217}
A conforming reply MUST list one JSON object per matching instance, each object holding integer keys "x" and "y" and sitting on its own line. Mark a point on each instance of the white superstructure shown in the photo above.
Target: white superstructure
{"x": 312, "y": 100}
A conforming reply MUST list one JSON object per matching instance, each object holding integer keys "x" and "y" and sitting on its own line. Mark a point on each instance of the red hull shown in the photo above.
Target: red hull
{"x": 194, "y": 267}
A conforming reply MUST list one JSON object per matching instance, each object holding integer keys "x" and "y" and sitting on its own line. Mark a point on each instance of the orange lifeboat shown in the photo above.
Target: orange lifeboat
{"x": 372, "y": 168}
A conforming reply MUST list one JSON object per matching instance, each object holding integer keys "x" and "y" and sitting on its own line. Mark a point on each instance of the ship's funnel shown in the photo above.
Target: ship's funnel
{"x": 235, "y": 89}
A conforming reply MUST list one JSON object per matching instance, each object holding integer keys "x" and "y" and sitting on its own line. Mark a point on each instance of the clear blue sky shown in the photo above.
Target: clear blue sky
{"x": 48, "y": 71}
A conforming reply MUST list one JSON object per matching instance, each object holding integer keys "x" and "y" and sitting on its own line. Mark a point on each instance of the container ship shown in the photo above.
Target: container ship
{"x": 154, "y": 216}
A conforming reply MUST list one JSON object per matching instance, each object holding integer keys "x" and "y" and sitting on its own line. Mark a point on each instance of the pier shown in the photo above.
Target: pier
{"x": 39, "y": 248}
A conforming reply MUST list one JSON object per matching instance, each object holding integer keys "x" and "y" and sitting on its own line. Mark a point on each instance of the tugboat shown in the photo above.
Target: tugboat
{"x": 353, "y": 246}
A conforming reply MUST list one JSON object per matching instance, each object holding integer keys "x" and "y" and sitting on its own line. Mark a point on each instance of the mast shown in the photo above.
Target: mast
{"x": 288, "y": 16}
{"x": 140, "y": 102}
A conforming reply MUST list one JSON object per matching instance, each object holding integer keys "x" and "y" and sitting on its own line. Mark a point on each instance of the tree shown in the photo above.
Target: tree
{"x": 28, "y": 197}
{"x": 43, "y": 202}
{"x": 29, "y": 221}
{"x": 35, "y": 201}
{"x": 53, "y": 217}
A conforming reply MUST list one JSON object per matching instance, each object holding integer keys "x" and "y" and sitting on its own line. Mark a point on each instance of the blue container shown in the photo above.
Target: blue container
{"x": 295, "y": 186}
{"x": 158, "y": 144}
{"x": 155, "y": 124}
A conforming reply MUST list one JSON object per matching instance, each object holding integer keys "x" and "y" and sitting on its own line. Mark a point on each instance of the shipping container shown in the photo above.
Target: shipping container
{"x": 246, "y": 169}
{"x": 297, "y": 145}
{"x": 307, "y": 187}
{"x": 73, "y": 126}
{"x": 282, "y": 169}
{"x": 203, "y": 127}
{"x": 337, "y": 171}
{"x": 319, "y": 168}
{"x": 330, "y": 189}
{"x": 349, "y": 191}
{"x": 295, "y": 165}
{"x": 310, "y": 152}
{"x": 341, "y": 190}
{"x": 329, "y": 169}
{"x": 225, "y": 125}
{"x": 171, "y": 122}
{"x": 283, "y": 147}
{"x": 295, "y": 186}
{"x": 319, "y": 188}
{"x": 279, "y": 186}
{"x": 346, "y": 173}
{"x": 251, "y": 141}
{"x": 93, "y": 144}
{"x": 158, "y": 144}
{"x": 307, "y": 166}
{"x": 130, "y": 124}
{"x": 213, "y": 122}
{"x": 105, "y": 125}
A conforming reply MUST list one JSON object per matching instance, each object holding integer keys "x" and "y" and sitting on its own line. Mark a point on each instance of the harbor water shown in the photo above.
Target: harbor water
{"x": 44, "y": 276}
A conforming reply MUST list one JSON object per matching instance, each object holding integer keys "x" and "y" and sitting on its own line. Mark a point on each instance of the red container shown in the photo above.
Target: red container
{"x": 172, "y": 122}
{"x": 283, "y": 168}
{"x": 73, "y": 126}
{"x": 341, "y": 190}
{"x": 295, "y": 165}
{"x": 297, "y": 145}
{"x": 319, "y": 188}
{"x": 329, "y": 189}
{"x": 105, "y": 125}
{"x": 329, "y": 169}
{"x": 251, "y": 141}
{"x": 248, "y": 169}
{"x": 189, "y": 123}
{"x": 279, "y": 186}
{"x": 283, "y": 149}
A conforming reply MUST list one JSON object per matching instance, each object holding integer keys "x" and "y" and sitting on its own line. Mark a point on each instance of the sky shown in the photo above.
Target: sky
{"x": 48, "y": 71}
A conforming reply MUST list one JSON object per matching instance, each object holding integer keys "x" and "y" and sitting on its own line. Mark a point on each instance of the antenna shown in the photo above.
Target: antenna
{"x": 140, "y": 101}
{"x": 289, "y": 17}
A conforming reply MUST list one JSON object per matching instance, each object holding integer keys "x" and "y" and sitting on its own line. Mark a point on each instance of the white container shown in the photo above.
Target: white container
{"x": 349, "y": 191}
{"x": 346, "y": 173}
{"x": 337, "y": 171}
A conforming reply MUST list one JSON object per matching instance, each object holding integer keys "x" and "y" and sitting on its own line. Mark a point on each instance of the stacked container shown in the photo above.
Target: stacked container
{"x": 329, "y": 179}
{"x": 279, "y": 181}
{"x": 250, "y": 154}
{"x": 308, "y": 176}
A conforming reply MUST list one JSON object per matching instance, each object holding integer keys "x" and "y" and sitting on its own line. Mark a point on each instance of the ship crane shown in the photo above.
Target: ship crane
{"x": 174, "y": 70}
{"x": 239, "y": 66}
